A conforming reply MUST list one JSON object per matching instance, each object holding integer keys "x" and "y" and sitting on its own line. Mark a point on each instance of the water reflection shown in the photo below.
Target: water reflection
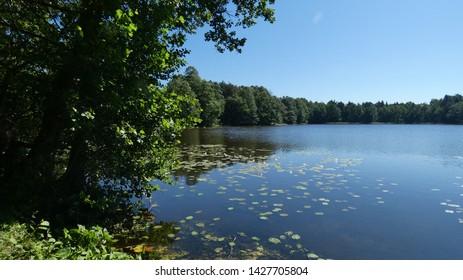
{"x": 343, "y": 192}
{"x": 205, "y": 149}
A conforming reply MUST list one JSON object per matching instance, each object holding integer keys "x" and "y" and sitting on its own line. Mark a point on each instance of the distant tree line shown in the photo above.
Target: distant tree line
{"x": 228, "y": 104}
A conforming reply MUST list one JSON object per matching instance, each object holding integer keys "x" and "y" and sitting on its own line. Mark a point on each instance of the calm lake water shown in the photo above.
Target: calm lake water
{"x": 309, "y": 191}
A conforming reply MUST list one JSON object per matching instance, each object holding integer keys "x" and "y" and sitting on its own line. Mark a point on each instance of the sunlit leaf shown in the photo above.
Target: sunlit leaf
{"x": 274, "y": 240}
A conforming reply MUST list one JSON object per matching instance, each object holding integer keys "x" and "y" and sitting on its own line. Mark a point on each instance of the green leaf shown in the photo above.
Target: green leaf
{"x": 45, "y": 224}
{"x": 119, "y": 14}
{"x": 80, "y": 31}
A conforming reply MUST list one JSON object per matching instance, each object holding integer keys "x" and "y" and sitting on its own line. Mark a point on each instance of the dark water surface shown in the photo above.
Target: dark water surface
{"x": 333, "y": 191}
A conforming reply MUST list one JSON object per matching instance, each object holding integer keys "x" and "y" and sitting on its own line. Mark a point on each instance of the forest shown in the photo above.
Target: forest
{"x": 231, "y": 105}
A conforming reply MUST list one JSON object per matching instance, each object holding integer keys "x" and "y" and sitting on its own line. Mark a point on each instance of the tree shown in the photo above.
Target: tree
{"x": 302, "y": 110}
{"x": 83, "y": 116}
{"x": 370, "y": 113}
{"x": 352, "y": 112}
{"x": 180, "y": 86}
{"x": 333, "y": 113}
{"x": 209, "y": 96}
{"x": 319, "y": 112}
{"x": 240, "y": 108}
{"x": 455, "y": 114}
{"x": 290, "y": 110}
{"x": 267, "y": 107}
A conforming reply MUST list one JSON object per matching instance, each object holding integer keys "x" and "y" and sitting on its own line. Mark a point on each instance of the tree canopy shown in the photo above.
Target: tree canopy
{"x": 255, "y": 105}
{"x": 84, "y": 118}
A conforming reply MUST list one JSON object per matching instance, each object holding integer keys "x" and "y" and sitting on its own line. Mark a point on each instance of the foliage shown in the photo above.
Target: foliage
{"x": 85, "y": 121}
{"x": 255, "y": 105}
{"x": 17, "y": 241}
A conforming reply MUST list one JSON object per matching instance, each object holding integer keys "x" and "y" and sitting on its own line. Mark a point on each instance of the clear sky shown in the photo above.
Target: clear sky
{"x": 356, "y": 50}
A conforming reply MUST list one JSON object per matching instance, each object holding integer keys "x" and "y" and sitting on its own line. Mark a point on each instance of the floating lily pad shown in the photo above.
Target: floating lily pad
{"x": 200, "y": 225}
{"x": 255, "y": 238}
{"x": 274, "y": 240}
{"x": 232, "y": 244}
{"x": 296, "y": 236}
{"x": 189, "y": 218}
{"x": 194, "y": 233}
{"x": 319, "y": 213}
{"x": 216, "y": 219}
{"x": 236, "y": 199}
{"x": 218, "y": 250}
{"x": 312, "y": 256}
{"x": 284, "y": 215}
{"x": 171, "y": 236}
{"x": 263, "y": 218}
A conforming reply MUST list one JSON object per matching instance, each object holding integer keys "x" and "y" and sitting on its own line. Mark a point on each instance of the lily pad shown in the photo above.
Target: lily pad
{"x": 189, "y": 218}
{"x": 200, "y": 225}
{"x": 296, "y": 236}
{"x": 312, "y": 256}
{"x": 274, "y": 240}
{"x": 194, "y": 233}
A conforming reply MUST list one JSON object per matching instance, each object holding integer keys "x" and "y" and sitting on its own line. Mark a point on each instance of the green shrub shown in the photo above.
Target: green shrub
{"x": 18, "y": 241}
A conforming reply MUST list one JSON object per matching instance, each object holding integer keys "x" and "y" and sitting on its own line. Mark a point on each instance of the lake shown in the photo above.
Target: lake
{"x": 317, "y": 191}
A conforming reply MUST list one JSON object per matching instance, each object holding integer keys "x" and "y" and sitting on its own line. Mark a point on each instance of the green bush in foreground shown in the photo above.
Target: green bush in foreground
{"x": 18, "y": 241}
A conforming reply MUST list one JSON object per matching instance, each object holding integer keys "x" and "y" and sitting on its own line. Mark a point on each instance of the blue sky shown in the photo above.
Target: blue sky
{"x": 356, "y": 50}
